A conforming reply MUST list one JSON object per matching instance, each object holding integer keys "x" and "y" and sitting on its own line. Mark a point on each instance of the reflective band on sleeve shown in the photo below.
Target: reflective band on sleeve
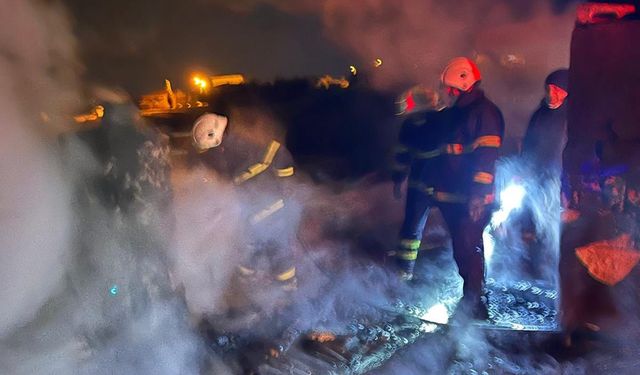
{"x": 285, "y": 172}
{"x": 244, "y": 271}
{"x": 428, "y": 154}
{"x": 487, "y": 141}
{"x": 408, "y": 254}
{"x": 267, "y": 212}
{"x": 258, "y": 168}
{"x": 410, "y": 244}
{"x": 287, "y": 275}
{"x": 271, "y": 152}
{"x": 252, "y": 171}
{"x": 449, "y": 197}
{"x": 492, "y": 141}
{"x": 455, "y": 149}
{"x": 483, "y": 178}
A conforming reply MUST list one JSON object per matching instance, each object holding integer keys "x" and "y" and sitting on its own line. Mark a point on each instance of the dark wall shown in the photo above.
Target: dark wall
{"x": 604, "y": 105}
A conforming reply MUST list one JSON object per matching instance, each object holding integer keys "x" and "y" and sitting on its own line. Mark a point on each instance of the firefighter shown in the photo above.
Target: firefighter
{"x": 418, "y": 135}
{"x": 463, "y": 174}
{"x": 546, "y": 135}
{"x": 259, "y": 172}
{"x": 542, "y": 148}
{"x": 465, "y": 191}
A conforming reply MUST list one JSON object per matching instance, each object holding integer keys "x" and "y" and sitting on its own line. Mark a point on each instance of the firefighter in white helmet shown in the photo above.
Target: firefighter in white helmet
{"x": 259, "y": 172}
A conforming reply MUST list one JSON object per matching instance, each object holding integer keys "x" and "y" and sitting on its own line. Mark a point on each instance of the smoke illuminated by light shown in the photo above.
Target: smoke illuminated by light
{"x": 511, "y": 199}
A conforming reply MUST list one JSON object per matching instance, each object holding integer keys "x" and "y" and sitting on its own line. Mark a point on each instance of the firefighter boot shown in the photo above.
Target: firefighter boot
{"x": 406, "y": 258}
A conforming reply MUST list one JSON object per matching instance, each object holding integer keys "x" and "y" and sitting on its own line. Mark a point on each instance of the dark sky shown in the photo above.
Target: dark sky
{"x": 137, "y": 43}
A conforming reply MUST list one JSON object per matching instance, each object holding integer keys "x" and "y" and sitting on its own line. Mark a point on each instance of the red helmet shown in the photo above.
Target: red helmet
{"x": 418, "y": 98}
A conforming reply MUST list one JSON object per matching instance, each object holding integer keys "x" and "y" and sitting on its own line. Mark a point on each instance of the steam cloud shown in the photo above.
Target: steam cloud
{"x": 57, "y": 262}
{"x": 47, "y": 292}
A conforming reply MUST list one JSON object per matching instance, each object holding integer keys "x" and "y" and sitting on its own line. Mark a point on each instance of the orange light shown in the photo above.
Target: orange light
{"x": 200, "y": 83}
{"x": 377, "y": 63}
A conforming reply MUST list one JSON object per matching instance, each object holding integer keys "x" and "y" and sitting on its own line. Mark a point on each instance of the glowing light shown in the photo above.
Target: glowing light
{"x": 327, "y": 81}
{"x": 200, "y": 83}
{"x": 377, "y": 63}
{"x": 437, "y": 313}
{"x": 114, "y": 290}
{"x": 511, "y": 197}
{"x": 96, "y": 113}
{"x": 353, "y": 70}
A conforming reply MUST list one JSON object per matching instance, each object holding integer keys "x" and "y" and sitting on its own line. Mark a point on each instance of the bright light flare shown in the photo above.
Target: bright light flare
{"x": 377, "y": 63}
{"x": 353, "y": 70}
{"x": 511, "y": 197}
{"x": 437, "y": 313}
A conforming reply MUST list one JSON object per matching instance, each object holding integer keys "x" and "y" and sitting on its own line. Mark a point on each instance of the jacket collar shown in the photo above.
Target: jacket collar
{"x": 469, "y": 97}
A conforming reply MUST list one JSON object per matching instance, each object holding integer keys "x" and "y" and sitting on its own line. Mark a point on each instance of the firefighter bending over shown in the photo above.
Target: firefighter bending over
{"x": 461, "y": 185}
{"x": 259, "y": 172}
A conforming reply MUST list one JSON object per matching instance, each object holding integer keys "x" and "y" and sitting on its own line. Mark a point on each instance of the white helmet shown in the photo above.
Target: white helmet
{"x": 208, "y": 131}
{"x": 460, "y": 73}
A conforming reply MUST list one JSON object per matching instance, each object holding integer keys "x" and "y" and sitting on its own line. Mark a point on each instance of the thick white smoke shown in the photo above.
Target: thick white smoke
{"x": 82, "y": 291}
{"x": 37, "y": 86}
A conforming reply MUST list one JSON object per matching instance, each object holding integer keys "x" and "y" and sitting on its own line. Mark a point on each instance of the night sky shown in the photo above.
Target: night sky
{"x": 137, "y": 43}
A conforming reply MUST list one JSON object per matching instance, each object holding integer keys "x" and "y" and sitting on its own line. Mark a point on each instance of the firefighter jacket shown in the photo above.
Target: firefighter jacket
{"x": 466, "y": 156}
{"x": 257, "y": 170}
{"x": 546, "y": 137}
{"x": 419, "y": 134}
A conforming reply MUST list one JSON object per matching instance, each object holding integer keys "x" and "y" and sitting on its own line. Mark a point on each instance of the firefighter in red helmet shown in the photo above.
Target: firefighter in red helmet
{"x": 419, "y": 133}
{"x": 462, "y": 179}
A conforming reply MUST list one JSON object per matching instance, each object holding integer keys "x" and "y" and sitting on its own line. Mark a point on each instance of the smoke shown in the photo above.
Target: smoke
{"x": 36, "y": 84}
{"x": 523, "y": 237}
{"x": 83, "y": 290}
{"x": 516, "y": 44}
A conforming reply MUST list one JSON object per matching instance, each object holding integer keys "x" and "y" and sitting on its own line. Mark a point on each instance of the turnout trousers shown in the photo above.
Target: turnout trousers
{"x": 466, "y": 238}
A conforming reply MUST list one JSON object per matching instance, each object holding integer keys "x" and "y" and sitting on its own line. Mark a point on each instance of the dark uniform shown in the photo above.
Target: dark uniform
{"x": 546, "y": 138}
{"x": 463, "y": 170}
{"x": 542, "y": 149}
{"x": 258, "y": 170}
{"x": 420, "y": 134}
